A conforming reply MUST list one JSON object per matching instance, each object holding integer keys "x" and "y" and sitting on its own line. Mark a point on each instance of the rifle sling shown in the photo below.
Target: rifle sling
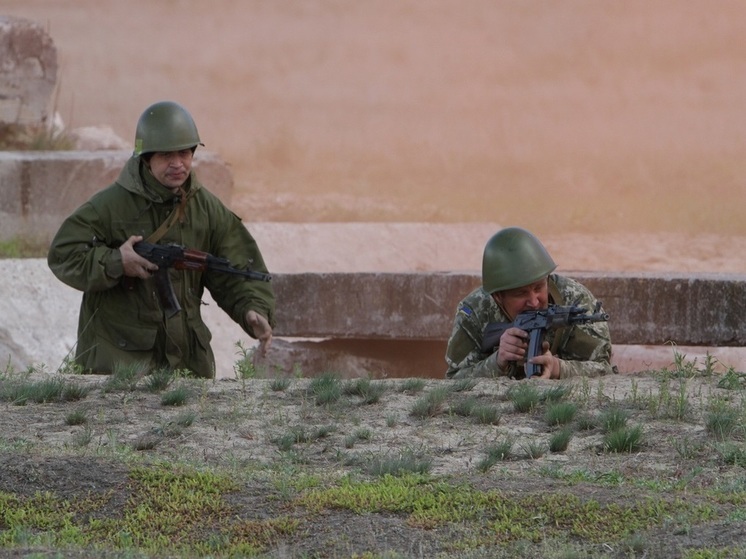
{"x": 179, "y": 212}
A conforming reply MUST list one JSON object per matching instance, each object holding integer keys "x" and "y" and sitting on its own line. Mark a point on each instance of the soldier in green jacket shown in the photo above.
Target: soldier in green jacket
{"x": 157, "y": 198}
{"x": 516, "y": 277}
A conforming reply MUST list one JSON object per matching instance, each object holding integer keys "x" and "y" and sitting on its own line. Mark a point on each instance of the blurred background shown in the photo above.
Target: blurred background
{"x": 573, "y": 116}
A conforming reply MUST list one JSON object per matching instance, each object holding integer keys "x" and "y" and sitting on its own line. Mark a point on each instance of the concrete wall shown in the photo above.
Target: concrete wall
{"x": 644, "y": 308}
{"x": 393, "y": 325}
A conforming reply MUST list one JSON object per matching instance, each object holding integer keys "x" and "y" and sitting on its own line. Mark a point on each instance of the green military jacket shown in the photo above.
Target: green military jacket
{"x": 583, "y": 349}
{"x": 121, "y": 321}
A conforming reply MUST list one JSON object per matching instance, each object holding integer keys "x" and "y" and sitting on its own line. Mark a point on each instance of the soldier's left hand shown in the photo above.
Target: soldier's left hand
{"x": 550, "y": 365}
{"x": 261, "y": 329}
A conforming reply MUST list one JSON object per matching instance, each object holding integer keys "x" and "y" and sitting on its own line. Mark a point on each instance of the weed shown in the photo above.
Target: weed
{"x": 732, "y": 380}
{"x": 244, "y": 367}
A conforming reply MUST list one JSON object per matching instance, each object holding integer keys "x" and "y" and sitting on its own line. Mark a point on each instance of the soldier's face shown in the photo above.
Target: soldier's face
{"x": 530, "y": 297}
{"x": 171, "y": 168}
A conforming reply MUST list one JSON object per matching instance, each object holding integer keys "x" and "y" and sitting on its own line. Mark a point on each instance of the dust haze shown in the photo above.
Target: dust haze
{"x": 574, "y": 116}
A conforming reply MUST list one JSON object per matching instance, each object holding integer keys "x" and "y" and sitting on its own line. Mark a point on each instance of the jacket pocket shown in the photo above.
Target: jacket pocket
{"x": 128, "y": 337}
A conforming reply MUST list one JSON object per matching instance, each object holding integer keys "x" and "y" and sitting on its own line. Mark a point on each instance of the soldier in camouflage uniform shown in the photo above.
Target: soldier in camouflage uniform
{"x": 157, "y": 197}
{"x": 516, "y": 277}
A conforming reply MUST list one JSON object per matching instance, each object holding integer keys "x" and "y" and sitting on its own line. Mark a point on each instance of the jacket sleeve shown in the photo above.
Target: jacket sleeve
{"x": 235, "y": 294}
{"x": 587, "y": 352}
{"x": 78, "y": 254}
{"x": 464, "y": 356}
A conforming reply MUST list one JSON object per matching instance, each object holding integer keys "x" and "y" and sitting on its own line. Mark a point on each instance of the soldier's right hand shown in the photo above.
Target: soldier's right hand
{"x": 513, "y": 346}
{"x": 133, "y": 264}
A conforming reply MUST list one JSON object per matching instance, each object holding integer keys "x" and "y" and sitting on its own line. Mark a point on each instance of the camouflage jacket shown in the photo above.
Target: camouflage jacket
{"x": 582, "y": 349}
{"x": 121, "y": 322}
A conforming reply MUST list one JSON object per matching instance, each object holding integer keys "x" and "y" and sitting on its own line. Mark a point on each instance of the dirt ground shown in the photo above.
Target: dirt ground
{"x": 238, "y": 427}
{"x": 613, "y": 130}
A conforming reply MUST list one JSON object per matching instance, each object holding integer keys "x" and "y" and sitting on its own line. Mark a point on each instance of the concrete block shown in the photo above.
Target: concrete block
{"x": 28, "y": 72}
{"x": 38, "y": 190}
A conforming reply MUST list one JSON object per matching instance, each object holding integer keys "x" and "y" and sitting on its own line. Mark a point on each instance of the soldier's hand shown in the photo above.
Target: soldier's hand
{"x": 261, "y": 329}
{"x": 133, "y": 264}
{"x": 550, "y": 365}
{"x": 513, "y": 346}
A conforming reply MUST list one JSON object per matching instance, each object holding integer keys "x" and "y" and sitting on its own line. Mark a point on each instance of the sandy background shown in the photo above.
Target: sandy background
{"x": 578, "y": 116}
{"x": 613, "y": 130}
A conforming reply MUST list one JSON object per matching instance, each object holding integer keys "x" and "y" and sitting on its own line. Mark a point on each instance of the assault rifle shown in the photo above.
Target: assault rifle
{"x": 537, "y": 324}
{"x": 180, "y": 258}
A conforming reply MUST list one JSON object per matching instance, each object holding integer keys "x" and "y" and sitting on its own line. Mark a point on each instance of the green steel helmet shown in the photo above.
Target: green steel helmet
{"x": 165, "y": 126}
{"x": 512, "y": 258}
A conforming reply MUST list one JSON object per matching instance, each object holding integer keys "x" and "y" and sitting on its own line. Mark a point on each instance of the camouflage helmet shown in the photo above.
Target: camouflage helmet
{"x": 512, "y": 258}
{"x": 165, "y": 126}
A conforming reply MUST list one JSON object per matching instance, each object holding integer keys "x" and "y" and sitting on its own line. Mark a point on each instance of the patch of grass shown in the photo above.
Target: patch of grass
{"x": 125, "y": 377}
{"x": 560, "y": 440}
{"x": 326, "y": 389}
{"x": 176, "y": 397}
{"x": 463, "y": 384}
{"x": 398, "y": 464}
{"x": 721, "y": 420}
{"x": 279, "y": 384}
{"x": 613, "y": 419}
{"x": 496, "y": 452}
{"x": 369, "y": 391}
{"x": 76, "y": 417}
{"x": 535, "y": 517}
{"x": 556, "y": 393}
{"x": 560, "y": 413}
{"x": 623, "y": 439}
{"x": 524, "y": 397}
{"x": 358, "y": 435}
{"x": 20, "y": 391}
{"x": 431, "y": 404}
{"x": 534, "y": 449}
{"x": 82, "y": 438}
{"x": 412, "y": 385}
{"x": 159, "y": 380}
{"x": 586, "y": 422}
{"x": 485, "y": 414}
{"x": 733, "y": 454}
